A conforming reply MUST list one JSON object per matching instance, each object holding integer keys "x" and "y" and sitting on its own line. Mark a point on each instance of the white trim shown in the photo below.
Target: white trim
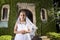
{"x": 8, "y": 7}
{"x": 45, "y": 14}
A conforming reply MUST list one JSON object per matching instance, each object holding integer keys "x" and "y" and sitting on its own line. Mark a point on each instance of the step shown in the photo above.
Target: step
{"x": 44, "y": 38}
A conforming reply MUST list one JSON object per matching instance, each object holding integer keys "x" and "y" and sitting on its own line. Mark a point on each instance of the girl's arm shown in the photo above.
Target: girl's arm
{"x": 15, "y": 30}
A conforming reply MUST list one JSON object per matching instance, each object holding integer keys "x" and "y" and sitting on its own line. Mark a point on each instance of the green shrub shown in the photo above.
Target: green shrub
{"x": 5, "y": 37}
{"x": 54, "y": 35}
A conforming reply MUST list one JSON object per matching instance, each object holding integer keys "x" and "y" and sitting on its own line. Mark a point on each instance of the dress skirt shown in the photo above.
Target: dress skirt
{"x": 22, "y": 37}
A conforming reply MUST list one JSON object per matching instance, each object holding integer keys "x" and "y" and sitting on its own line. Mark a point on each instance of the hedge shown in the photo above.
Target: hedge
{"x": 46, "y": 27}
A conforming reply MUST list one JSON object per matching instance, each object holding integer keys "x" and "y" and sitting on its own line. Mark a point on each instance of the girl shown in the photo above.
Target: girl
{"x": 23, "y": 27}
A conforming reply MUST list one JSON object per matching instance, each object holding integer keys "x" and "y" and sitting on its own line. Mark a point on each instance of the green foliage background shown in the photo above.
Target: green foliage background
{"x": 49, "y": 26}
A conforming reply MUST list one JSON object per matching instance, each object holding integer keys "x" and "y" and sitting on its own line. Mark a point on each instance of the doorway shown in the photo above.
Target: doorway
{"x": 30, "y": 10}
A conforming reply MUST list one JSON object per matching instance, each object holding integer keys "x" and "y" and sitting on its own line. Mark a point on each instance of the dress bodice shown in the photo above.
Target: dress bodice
{"x": 22, "y": 27}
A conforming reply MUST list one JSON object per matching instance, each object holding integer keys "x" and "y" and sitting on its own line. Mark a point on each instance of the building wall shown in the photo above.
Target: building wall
{"x": 43, "y": 28}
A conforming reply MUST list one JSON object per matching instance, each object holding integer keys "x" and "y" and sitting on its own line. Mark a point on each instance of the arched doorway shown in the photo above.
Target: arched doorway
{"x": 30, "y": 9}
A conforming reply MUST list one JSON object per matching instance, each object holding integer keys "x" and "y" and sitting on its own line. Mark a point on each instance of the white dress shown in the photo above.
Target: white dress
{"x": 22, "y": 36}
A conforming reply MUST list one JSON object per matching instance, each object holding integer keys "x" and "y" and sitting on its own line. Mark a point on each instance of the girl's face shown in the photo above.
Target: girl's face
{"x": 22, "y": 16}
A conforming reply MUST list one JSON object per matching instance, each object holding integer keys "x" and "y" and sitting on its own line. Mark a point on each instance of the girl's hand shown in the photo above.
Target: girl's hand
{"x": 27, "y": 31}
{"x": 23, "y": 31}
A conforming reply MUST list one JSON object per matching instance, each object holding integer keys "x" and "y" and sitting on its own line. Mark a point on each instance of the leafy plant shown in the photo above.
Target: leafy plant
{"x": 54, "y": 35}
{"x": 5, "y": 37}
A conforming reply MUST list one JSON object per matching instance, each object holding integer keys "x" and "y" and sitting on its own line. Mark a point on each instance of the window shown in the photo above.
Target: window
{"x": 43, "y": 14}
{"x": 5, "y": 13}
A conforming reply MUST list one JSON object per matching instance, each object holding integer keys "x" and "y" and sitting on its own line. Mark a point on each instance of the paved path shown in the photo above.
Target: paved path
{"x": 44, "y": 38}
